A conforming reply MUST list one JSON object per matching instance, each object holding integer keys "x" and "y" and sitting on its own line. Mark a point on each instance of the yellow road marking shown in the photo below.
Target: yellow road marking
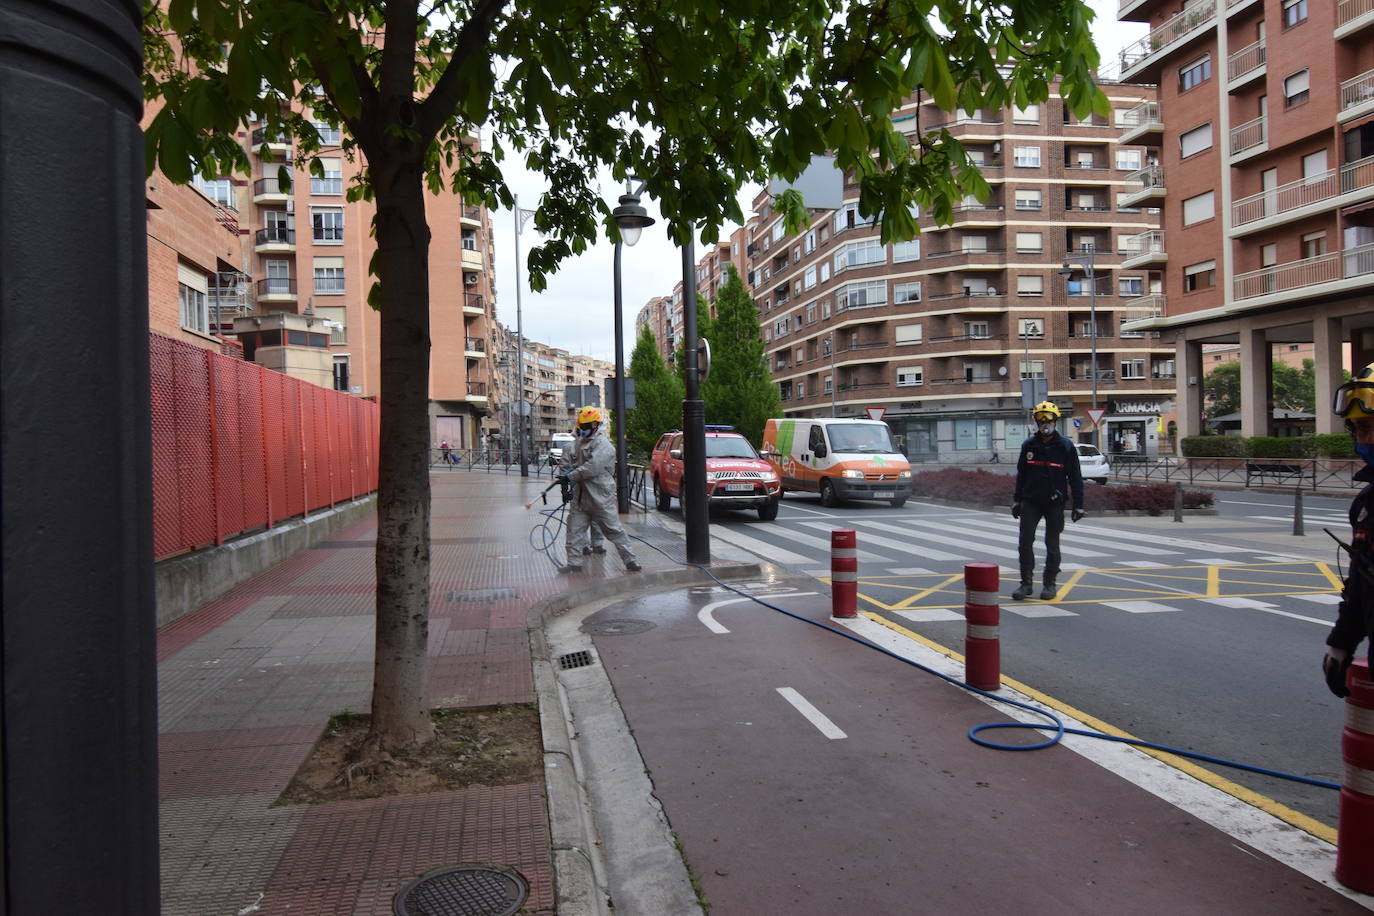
{"x": 940, "y": 586}
{"x": 1336, "y": 583}
{"x": 1296, "y": 818}
{"x": 1073, "y": 580}
{"x": 1213, "y": 586}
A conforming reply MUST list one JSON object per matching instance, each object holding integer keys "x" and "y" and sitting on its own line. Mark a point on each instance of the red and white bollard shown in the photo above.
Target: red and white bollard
{"x": 982, "y": 646}
{"x": 844, "y": 572}
{"x": 1355, "y": 834}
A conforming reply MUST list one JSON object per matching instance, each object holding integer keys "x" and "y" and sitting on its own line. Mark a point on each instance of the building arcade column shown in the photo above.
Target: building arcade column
{"x": 1256, "y": 384}
{"x": 1188, "y": 370}
{"x": 1326, "y": 357}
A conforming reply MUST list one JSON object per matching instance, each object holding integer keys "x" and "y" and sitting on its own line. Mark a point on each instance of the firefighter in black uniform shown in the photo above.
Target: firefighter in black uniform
{"x": 1355, "y": 614}
{"x": 1047, "y": 474}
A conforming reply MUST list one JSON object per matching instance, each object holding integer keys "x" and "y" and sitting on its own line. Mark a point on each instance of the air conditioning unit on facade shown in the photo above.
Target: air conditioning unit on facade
{"x": 470, "y": 279}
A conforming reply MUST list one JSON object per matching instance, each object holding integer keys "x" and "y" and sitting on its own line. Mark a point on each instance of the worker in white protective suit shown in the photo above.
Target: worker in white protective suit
{"x": 592, "y": 476}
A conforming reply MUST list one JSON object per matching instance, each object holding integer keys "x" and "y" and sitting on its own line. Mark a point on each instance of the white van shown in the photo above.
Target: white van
{"x": 840, "y": 458}
{"x": 558, "y": 443}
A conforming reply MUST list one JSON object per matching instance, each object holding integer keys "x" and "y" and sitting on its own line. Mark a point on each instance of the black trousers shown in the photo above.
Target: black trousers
{"x": 1031, "y": 514}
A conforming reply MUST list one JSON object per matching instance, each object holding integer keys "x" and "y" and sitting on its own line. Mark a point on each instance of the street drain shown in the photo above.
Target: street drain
{"x": 575, "y": 660}
{"x": 464, "y": 890}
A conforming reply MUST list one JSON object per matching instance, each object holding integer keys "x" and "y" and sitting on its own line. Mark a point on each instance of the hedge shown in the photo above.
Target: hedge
{"x": 988, "y": 489}
{"x": 1280, "y": 447}
{"x": 1335, "y": 445}
{"x": 1213, "y": 447}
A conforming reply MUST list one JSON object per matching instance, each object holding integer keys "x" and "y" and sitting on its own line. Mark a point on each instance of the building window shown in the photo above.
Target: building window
{"x": 811, "y": 313}
{"x": 331, "y": 180}
{"x": 1194, "y": 141}
{"x": 469, "y": 241}
{"x": 327, "y": 224}
{"x": 1030, "y": 327}
{"x": 1314, "y": 244}
{"x": 776, "y": 232}
{"x": 220, "y": 190}
{"x": 908, "y": 334}
{"x": 1133, "y": 368}
{"x": 1295, "y": 89}
{"x": 976, "y": 330}
{"x": 1196, "y": 209}
{"x": 1294, "y": 11}
{"x": 1030, "y": 285}
{"x": 329, "y": 275}
{"x": 862, "y": 295}
{"x": 329, "y": 134}
{"x": 1162, "y": 368}
{"x": 1128, "y": 160}
{"x": 906, "y": 251}
{"x": 1200, "y": 276}
{"x": 1028, "y": 115}
{"x": 910, "y": 376}
{"x": 1026, "y": 199}
{"x": 859, "y": 254}
{"x": 1027, "y": 156}
{"x": 1032, "y": 368}
{"x": 195, "y": 312}
{"x": 341, "y": 372}
{"x": 1029, "y": 242}
{"x": 1195, "y": 73}
{"x": 906, "y": 292}
{"x": 809, "y": 241}
{"x": 1130, "y": 286}
{"x": 973, "y": 435}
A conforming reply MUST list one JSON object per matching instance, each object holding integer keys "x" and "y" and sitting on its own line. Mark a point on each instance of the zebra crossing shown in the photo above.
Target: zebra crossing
{"x": 911, "y": 567}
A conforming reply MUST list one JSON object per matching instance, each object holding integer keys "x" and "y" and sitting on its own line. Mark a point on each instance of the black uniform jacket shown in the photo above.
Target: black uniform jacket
{"x": 1355, "y": 615}
{"x": 1047, "y": 470}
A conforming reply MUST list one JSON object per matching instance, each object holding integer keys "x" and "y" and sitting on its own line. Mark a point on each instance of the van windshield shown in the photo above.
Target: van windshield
{"x": 863, "y": 438}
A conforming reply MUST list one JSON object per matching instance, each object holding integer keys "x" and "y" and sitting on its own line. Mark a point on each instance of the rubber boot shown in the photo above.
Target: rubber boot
{"x": 1049, "y": 592}
{"x": 1024, "y": 591}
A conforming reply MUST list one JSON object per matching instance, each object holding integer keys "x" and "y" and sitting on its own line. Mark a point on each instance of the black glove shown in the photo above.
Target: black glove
{"x": 1016, "y": 510}
{"x": 1076, "y": 514}
{"x": 1334, "y": 665}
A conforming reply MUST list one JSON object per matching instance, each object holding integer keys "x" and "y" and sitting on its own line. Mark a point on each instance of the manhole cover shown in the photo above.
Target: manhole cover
{"x": 465, "y": 890}
{"x": 625, "y": 627}
{"x": 580, "y": 659}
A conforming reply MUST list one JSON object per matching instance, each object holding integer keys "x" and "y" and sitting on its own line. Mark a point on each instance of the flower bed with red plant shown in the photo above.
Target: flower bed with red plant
{"x": 987, "y": 489}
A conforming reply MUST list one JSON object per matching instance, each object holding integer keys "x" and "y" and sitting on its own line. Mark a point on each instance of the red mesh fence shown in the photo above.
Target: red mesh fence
{"x": 237, "y": 447}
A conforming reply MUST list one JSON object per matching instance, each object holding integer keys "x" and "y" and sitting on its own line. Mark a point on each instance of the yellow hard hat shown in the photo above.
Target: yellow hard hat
{"x": 1355, "y": 398}
{"x": 1049, "y": 409}
{"x": 589, "y": 415}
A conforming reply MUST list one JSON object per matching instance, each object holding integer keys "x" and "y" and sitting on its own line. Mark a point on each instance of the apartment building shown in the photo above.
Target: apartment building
{"x": 302, "y": 249}
{"x": 547, "y": 373}
{"x": 664, "y": 315}
{"x": 1262, "y": 161}
{"x": 1034, "y": 283}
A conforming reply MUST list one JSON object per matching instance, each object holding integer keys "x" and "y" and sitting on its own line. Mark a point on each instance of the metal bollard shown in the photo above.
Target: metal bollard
{"x": 982, "y": 646}
{"x": 1297, "y": 511}
{"x": 1178, "y": 502}
{"x": 844, "y": 572}
{"x": 1355, "y": 834}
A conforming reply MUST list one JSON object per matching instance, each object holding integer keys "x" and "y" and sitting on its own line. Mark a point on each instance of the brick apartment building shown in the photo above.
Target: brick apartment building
{"x": 1262, "y": 161}
{"x": 663, "y": 314}
{"x": 547, "y": 372}
{"x": 940, "y": 330}
{"x": 292, "y": 257}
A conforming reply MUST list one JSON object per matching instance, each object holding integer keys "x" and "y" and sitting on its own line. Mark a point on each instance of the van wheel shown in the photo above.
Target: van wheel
{"x": 828, "y": 494}
{"x": 769, "y": 510}
{"x": 899, "y": 502}
{"x": 661, "y": 499}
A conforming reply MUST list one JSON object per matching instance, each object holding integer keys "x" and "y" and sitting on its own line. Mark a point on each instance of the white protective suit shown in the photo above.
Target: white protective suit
{"x": 598, "y": 541}
{"x": 592, "y": 472}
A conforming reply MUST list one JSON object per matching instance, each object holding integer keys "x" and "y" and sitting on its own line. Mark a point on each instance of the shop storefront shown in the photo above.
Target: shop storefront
{"x": 1131, "y": 428}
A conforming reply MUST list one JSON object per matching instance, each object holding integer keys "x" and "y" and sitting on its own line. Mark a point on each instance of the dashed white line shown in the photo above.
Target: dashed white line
{"x": 812, "y": 714}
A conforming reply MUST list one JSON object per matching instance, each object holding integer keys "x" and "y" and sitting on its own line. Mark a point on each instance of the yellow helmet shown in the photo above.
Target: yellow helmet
{"x": 1048, "y": 409}
{"x": 589, "y": 415}
{"x": 1355, "y": 398}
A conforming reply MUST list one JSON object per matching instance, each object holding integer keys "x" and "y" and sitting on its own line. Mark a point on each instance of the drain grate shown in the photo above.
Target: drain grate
{"x": 464, "y": 890}
{"x": 481, "y": 594}
{"x": 575, "y": 660}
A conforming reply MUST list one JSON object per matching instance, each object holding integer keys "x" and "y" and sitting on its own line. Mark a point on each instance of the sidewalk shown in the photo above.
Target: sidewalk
{"x": 247, "y": 683}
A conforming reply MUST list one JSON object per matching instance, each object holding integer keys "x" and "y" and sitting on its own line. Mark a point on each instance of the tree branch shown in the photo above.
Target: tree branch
{"x": 473, "y": 38}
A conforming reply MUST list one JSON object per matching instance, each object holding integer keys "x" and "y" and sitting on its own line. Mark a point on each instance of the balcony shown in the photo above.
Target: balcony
{"x": 1309, "y": 278}
{"x": 475, "y": 347}
{"x": 1141, "y": 308}
{"x": 1351, "y": 183}
{"x": 477, "y": 391}
{"x": 1151, "y": 180}
{"x": 472, "y": 259}
{"x": 1143, "y": 125}
{"x": 1245, "y": 65}
{"x": 276, "y": 144}
{"x": 472, "y": 216}
{"x": 1353, "y": 16}
{"x": 473, "y": 304}
{"x": 1250, "y": 139}
{"x": 1357, "y": 96}
{"x": 274, "y": 239}
{"x": 1140, "y": 58}
{"x": 277, "y": 289}
{"x": 1144, "y": 249}
{"x": 271, "y": 191}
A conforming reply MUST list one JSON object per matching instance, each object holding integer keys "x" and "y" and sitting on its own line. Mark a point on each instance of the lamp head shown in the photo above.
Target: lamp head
{"x": 631, "y": 218}
{"x": 1066, "y": 271}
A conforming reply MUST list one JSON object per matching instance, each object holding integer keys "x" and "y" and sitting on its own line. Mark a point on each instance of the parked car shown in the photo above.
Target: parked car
{"x": 736, "y": 477}
{"x": 1093, "y": 463}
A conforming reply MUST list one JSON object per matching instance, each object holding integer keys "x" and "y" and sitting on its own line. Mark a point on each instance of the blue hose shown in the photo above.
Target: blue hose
{"x": 1054, "y": 725}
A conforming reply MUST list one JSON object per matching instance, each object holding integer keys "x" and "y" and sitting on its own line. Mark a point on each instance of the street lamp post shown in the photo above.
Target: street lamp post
{"x": 631, "y": 219}
{"x": 521, "y": 216}
{"x": 830, "y": 351}
{"x": 1090, "y": 276}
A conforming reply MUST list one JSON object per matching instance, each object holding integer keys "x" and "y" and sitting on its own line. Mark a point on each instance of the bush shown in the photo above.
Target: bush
{"x": 987, "y": 489}
{"x": 1280, "y": 447}
{"x": 1335, "y": 445}
{"x": 1213, "y": 447}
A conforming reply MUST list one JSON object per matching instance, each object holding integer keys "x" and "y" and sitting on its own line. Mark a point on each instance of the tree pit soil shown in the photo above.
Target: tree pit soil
{"x": 487, "y": 746}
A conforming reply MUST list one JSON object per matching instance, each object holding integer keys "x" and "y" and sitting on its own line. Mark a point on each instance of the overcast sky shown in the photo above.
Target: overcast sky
{"x": 576, "y": 312}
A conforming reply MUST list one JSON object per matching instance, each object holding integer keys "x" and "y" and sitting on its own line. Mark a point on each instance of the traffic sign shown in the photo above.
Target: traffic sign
{"x": 875, "y": 413}
{"x": 1095, "y": 415}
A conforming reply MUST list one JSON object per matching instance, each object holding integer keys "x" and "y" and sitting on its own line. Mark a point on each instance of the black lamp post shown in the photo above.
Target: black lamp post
{"x": 631, "y": 219}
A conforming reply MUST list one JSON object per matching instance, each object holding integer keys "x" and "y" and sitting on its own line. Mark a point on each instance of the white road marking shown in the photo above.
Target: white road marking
{"x": 707, "y": 620}
{"x": 1140, "y": 607}
{"x": 812, "y": 714}
{"x": 976, "y": 548}
{"x": 930, "y": 615}
{"x": 1312, "y": 519}
{"x": 1323, "y": 598}
{"x": 1144, "y": 564}
{"x": 1212, "y": 561}
{"x": 1137, "y": 537}
{"x": 1280, "y": 558}
{"x": 1038, "y": 610}
{"x": 823, "y": 543}
{"x": 1251, "y": 604}
{"x": 1071, "y": 536}
{"x": 761, "y": 548}
{"x": 912, "y": 571}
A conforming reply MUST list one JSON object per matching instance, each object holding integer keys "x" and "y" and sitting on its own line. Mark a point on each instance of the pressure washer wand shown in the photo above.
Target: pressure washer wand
{"x": 544, "y": 495}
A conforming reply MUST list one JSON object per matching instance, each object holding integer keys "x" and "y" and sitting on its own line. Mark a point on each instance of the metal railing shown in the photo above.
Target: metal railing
{"x": 275, "y": 235}
{"x": 1246, "y": 60}
{"x": 1325, "y": 268}
{"x": 1313, "y": 473}
{"x": 1348, "y": 10}
{"x": 1174, "y": 29}
{"x": 1249, "y": 135}
{"x": 500, "y": 460}
{"x": 1304, "y": 192}
{"x": 1150, "y": 242}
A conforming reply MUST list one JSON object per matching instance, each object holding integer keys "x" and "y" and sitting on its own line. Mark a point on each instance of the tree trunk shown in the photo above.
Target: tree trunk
{"x": 400, "y": 712}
